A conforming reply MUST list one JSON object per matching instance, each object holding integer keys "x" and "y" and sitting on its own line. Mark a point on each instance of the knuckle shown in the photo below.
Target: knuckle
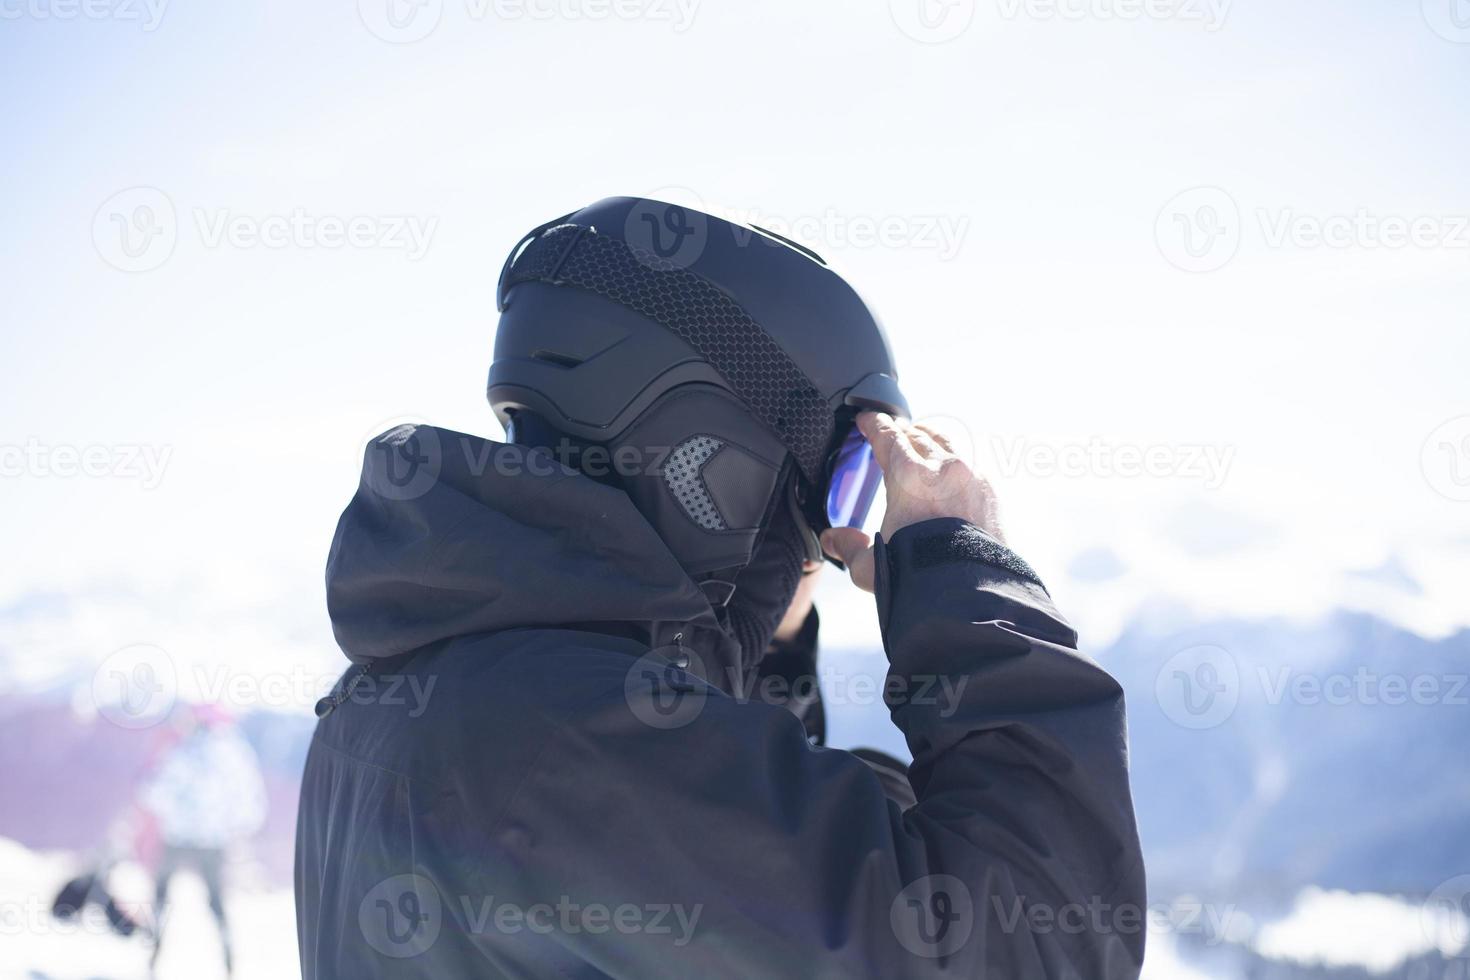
{"x": 953, "y": 468}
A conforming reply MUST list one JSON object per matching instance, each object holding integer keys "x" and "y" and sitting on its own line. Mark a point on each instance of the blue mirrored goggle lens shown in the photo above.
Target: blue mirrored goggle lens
{"x": 855, "y": 481}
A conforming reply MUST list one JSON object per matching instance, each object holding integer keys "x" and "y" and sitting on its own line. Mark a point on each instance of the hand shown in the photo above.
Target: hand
{"x": 922, "y": 479}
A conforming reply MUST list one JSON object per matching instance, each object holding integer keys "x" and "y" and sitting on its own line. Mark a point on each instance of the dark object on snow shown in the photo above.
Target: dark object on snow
{"x": 86, "y": 890}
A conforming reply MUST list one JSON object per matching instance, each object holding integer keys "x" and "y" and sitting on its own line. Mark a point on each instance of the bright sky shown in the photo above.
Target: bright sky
{"x": 1025, "y": 176}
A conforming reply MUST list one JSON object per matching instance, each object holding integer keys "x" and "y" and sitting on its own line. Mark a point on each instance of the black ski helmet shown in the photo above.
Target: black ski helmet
{"x": 716, "y": 367}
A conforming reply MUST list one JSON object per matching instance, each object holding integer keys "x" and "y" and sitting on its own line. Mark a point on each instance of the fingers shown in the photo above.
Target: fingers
{"x": 854, "y": 549}
{"x": 890, "y": 438}
{"x": 915, "y": 441}
{"x": 924, "y": 443}
{"x": 881, "y": 430}
{"x": 938, "y": 436}
{"x": 844, "y": 543}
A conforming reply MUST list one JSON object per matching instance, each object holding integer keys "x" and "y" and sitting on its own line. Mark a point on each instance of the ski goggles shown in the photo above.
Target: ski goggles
{"x": 854, "y": 481}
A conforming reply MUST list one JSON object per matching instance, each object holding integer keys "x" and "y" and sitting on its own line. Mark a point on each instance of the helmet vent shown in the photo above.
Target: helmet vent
{"x": 552, "y": 357}
{"x": 684, "y": 474}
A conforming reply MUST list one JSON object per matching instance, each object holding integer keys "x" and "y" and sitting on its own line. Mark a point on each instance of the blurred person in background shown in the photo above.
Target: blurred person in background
{"x": 696, "y": 410}
{"x": 207, "y": 794}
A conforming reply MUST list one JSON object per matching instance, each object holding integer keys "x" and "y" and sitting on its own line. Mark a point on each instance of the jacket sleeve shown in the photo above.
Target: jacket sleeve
{"x": 772, "y": 857}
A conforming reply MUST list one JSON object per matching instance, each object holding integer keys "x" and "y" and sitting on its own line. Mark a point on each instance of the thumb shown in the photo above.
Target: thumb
{"x": 854, "y": 549}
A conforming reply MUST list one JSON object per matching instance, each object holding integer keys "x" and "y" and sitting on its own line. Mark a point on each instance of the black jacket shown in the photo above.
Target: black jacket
{"x": 508, "y": 783}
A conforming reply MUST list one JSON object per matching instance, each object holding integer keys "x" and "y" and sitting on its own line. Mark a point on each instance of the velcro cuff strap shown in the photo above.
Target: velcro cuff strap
{"x": 937, "y": 542}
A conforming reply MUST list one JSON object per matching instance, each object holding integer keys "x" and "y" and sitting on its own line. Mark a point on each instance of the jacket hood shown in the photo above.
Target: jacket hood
{"x": 450, "y": 535}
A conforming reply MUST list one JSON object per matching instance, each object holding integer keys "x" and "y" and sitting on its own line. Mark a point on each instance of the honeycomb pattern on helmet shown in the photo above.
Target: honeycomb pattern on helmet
{"x": 682, "y": 472}
{"x": 770, "y": 383}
